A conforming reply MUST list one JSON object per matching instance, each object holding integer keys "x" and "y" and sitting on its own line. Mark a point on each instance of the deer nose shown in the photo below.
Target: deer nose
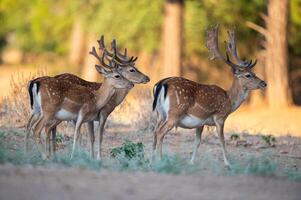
{"x": 131, "y": 85}
{"x": 147, "y": 79}
{"x": 262, "y": 84}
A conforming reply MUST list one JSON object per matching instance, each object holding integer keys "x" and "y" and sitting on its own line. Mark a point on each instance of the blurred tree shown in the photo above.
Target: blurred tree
{"x": 88, "y": 70}
{"x": 278, "y": 92}
{"x": 77, "y": 42}
{"x": 36, "y": 26}
{"x": 295, "y": 27}
{"x": 172, "y": 37}
{"x": 276, "y": 53}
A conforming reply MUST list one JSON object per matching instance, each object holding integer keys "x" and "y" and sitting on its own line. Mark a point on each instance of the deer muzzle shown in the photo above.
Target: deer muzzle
{"x": 262, "y": 85}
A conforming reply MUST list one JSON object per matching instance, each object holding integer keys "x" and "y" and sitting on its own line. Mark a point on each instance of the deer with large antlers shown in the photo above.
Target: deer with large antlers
{"x": 63, "y": 101}
{"x": 183, "y": 103}
{"x": 126, "y": 67}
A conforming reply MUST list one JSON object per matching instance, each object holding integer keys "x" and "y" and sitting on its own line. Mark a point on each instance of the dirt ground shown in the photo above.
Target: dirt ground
{"x": 28, "y": 183}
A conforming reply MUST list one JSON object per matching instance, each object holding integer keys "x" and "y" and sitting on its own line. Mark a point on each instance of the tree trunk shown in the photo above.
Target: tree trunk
{"x": 278, "y": 93}
{"x": 172, "y": 37}
{"x": 89, "y": 72}
{"x": 76, "y": 48}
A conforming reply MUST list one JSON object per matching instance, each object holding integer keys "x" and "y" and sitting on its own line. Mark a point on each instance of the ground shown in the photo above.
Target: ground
{"x": 260, "y": 170}
{"x": 29, "y": 183}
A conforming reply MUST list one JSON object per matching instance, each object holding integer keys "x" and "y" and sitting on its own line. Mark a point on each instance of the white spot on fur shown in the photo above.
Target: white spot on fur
{"x": 177, "y": 96}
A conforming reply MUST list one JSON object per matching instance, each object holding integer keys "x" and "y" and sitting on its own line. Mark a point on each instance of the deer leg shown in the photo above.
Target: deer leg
{"x": 47, "y": 144}
{"x": 79, "y": 122}
{"x": 102, "y": 120}
{"x": 34, "y": 118}
{"x": 92, "y": 137}
{"x": 26, "y": 141}
{"x": 158, "y": 126}
{"x": 197, "y": 142}
{"x": 37, "y": 135}
{"x": 167, "y": 126}
{"x": 160, "y": 121}
{"x": 50, "y": 129}
{"x": 219, "y": 123}
{"x": 53, "y": 133}
{"x": 29, "y": 123}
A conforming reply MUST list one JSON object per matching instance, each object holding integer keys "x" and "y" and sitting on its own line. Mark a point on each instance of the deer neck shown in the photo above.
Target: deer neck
{"x": 237, "y": 94}
{"x": 120, "y": 94}
{"x": 104, "y": 94}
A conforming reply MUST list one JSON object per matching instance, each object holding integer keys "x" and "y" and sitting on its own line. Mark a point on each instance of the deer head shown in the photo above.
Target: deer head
{"x": 242, "y": 69}
{"x": 125, "y": 66}
{"x": 110, "y": 70}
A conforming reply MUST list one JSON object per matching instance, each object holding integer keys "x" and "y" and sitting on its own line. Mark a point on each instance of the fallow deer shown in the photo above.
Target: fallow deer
{"x": 127, "y": 69}
{"x": 62, "y": 101}
{"x": 183, "y": 103}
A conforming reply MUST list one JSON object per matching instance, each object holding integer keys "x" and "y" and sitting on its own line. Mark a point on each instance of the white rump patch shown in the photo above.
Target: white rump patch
{"x": 163, "y": 104}
{"x": 36, "y": 97}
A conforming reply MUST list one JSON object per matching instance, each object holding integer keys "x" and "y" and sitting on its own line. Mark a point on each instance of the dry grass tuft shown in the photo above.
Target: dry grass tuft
{"x": 135, "y": 111}
{"x": 15, "y": 108}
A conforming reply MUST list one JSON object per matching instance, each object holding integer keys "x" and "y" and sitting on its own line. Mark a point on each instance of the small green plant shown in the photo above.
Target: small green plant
{"x": 234, "y": 136}
{"x": 59, "y": 138}
{"x": 129, "y": 150}
{"x": 269, "y": 140}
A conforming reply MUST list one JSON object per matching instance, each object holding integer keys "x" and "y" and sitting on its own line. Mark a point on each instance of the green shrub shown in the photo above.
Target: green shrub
{"x": 269, "y": 139}
{"x": 129, "y": 150}
{"x": 234, "y": 136}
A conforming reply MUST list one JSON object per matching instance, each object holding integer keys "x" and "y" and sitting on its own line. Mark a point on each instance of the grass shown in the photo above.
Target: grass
{"x": 132, "y": 157}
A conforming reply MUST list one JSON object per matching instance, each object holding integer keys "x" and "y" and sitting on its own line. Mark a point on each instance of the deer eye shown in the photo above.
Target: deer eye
{"x": 248, "y": 75}
{"x": 132, "y": 70}
{"x": 117, "y": 76}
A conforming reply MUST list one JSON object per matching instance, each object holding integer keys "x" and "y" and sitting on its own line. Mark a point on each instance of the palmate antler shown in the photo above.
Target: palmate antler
{"x": 231, "y": 48}
{"x": 212, "y": 45}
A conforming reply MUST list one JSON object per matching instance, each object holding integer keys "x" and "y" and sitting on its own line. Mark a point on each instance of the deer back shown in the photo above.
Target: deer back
{"x": 73, "y": 79}
{"x": 190, "y": 98}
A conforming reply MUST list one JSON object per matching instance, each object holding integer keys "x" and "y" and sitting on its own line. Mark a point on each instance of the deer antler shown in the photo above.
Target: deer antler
{"x": 231, "y": 48}
{"x": 122, "y": 58}
{"x": 212, "y": 42}
{"x": 118, "y": 57}
{"x": 212, "y": 45}
{"x": 101, "y": 59}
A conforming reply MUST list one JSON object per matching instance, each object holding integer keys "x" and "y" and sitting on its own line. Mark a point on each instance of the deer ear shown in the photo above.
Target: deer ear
{"x": 102, "y": 71}
{"x": 235, "y": 71}
{"x": 119, "y": 68}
